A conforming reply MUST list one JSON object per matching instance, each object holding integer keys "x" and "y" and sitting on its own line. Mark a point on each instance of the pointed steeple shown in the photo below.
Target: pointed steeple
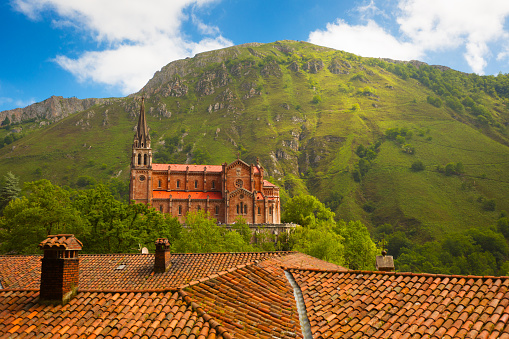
{"x": 142, "y": 138}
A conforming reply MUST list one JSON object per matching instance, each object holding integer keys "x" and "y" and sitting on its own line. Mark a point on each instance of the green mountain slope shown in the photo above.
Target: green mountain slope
{"x": 304, "y": 110}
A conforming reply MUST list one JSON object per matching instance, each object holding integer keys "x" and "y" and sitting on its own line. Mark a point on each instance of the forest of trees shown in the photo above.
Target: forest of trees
{"x": 106, "y": 224}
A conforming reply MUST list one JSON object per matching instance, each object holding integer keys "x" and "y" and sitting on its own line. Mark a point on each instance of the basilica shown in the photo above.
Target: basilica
{"x": 226, "y": 191}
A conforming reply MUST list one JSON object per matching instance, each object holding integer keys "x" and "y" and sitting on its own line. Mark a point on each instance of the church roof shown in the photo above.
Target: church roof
{"x": 183, "y": 167}
{"x": 142, "y": 130}
{"x": 185, "y": 195}
{"x": 268, "y": 184}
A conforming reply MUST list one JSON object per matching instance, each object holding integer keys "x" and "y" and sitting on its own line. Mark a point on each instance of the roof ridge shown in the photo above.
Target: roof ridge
{"x": 203, "y": 314}
{"x": 411, "y": 274}
{"x": 19, "y": 290}
{"x": 218, "y": 274}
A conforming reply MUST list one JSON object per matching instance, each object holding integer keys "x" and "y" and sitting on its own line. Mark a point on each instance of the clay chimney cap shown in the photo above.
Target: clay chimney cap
{"x": 163, "y": 241}
{"x": 61, "y": 241}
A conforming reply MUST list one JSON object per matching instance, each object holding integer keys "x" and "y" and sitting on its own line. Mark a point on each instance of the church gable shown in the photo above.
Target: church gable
{"x": 241, "y": 191}
{"x": 238, "y": 163}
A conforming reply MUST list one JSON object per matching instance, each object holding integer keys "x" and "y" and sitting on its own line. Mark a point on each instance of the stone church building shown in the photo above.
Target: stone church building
{"x": 226, "y": 191}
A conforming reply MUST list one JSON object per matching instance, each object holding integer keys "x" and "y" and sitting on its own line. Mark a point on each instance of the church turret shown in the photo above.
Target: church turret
{"x": 142, "y": 153}
{"x": 141, "y": 162}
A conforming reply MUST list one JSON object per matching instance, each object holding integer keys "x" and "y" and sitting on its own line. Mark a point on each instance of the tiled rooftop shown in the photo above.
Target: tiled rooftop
{"x": 102, "y": 315}
{"x": 252, "y": 300}
{"x": 102, "y": 271}
{"x": 357, "y": 304}
{"x": 247, "y": 295}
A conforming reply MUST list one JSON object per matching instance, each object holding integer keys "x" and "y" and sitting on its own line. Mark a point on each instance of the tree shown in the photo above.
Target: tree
{"x": 201, "y": 157}
{"x": 503, "y": 226}
{"x": 397, "y": 242}
{"x": 9, "y": 190}
{"x": 113, "y": 226}
{"x": 417, "y": 166}
{"x": 320, "y": 242}
{"x": 489, "y": 205}
{"x": 450, "y": 169}
{"x": 29, "y": 220}
{"x": 201, "y": 235}
{"x": 306, "y": 210}
{"x": 359, "y": 249}
{"x": 6, "y": 121}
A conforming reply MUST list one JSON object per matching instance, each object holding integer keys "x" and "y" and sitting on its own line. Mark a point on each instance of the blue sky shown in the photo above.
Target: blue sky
{"x": 107, "y": 48}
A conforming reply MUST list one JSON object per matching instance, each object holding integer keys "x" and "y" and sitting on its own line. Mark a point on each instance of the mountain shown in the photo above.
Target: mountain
{"x": 50, "y": 110}
{"x": 423, "y": 148}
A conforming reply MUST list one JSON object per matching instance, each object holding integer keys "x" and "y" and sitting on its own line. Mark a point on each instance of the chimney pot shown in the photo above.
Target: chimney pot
{"x": 59, "y": 268}
{"x": 162, "y": 257}
{"x": 384, "y": 262}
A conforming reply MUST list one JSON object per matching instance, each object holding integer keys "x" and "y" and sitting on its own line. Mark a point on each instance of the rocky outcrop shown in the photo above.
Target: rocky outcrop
{"x": 339, "y": 67}
{"x": 271, "y": 68}
{"x": 210, "y": 80}
{"x": 52, "y": 109}
{"x": 294, "y": 66}
{"x": 313, "y": 66}
{"x": 160, "y": 110}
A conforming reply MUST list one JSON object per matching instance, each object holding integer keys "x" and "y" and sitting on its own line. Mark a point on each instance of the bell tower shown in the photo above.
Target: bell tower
{"x": 140, "y": 189}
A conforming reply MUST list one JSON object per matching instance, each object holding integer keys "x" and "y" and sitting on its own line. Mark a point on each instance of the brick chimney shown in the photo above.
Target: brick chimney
{"x": 59, "y": 269}
{"x": 162, "y": 259}
{"x": 384, "y": 262}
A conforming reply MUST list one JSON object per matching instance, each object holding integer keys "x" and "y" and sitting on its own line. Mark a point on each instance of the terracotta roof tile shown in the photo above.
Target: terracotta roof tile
{"x": 399, "y": 309}
{"x": 99, "y": 271}
{"x": 61, "y": 241}
{"x": 183, "y": 167}
{"x": 246, "y": 295}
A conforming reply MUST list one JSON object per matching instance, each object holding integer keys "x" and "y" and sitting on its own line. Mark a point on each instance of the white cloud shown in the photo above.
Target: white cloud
{"x": 5, "y": 100}
{"x": 204, "y": 28}
{"x": 426, "y": 26}
{"x": 368, "y": 40}
{"x": 142, "y": 36}
{"x": 17, "y": 102}
{"x": 24, "y": 103}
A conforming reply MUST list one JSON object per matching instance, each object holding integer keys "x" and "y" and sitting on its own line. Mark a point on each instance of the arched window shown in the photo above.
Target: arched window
{"x": 159, "y": 183}
{"x": 196, "y": 184}
{"x": 237, "y": 208}
{"x": 178, "y": 183}
{"x": 259, "y": 210}
{"x": 245, "y": 209}
{"x": 217, "y": 209}
{"x": 145, "y": 159}
{"x": 213, "y": 184}
{"x": 160, "y": 208}
{"x": 270, "y": 210}
{"x": 139, "y": 159}
{"x": 199, "y": 208}
{"x": 180, "y": 210}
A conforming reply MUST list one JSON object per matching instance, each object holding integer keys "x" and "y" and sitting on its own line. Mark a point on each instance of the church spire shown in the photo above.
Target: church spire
{"x": 142, "y": 138}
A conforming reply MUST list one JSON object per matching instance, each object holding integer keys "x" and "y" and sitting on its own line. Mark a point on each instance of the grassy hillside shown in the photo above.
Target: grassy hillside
{"x": 303, "y": 110}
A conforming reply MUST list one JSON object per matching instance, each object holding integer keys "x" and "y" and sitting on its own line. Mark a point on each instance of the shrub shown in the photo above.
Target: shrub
{"x": 489, "y": 205}
{"x": 435, "y": 101}
{"x": 417, "y": 166}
